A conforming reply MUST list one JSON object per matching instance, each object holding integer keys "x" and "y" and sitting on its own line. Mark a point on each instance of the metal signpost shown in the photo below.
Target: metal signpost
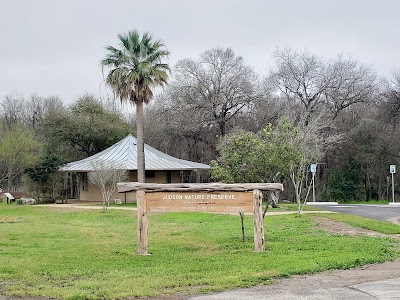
{"x": 313, "y": 169}
{"x": 392, "y": 170}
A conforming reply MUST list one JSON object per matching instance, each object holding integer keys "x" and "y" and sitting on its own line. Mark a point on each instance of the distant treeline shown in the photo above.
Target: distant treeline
{"x": 342, "y": 104}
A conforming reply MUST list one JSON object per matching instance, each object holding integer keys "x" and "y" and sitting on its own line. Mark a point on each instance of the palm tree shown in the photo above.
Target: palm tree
{"x": 134, "y": 70}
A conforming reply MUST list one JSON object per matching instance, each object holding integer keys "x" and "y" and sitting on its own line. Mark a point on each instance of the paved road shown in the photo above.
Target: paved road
{"x": 381, "y": 281}
{"x": 380, "y": 212}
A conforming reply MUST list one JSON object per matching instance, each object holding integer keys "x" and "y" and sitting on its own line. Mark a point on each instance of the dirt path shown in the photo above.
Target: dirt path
{"x": 82, "y": 206}
{"x": 336, "y": 227}
{"x": 98, "y": 207}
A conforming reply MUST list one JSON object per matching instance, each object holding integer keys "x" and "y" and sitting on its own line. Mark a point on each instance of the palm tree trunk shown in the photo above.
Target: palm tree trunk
{"x": 140, "y": 142}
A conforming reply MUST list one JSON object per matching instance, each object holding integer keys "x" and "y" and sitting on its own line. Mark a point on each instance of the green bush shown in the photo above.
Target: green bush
{"x": 346, "y": 184}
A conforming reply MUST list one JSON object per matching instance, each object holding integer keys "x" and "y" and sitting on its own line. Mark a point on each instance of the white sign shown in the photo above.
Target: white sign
{"x": 313, "y": 168}
{"x": 9, "y": 196}
{"x": 392, "y": 169}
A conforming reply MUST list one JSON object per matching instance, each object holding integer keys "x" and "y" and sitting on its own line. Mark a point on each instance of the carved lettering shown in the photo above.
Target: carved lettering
{"x": 223, "y": 202}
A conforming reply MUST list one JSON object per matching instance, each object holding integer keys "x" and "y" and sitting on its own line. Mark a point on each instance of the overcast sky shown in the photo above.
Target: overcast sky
{"x": 53, "y": 47}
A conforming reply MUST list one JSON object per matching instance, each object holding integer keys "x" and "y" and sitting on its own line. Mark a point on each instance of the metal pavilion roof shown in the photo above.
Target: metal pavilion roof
{"x": 123, "y": 155}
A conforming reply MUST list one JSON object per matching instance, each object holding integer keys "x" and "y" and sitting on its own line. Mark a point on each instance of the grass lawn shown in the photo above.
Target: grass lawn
{"x": 293, "y": 207}
{"x": 87, "y": 254}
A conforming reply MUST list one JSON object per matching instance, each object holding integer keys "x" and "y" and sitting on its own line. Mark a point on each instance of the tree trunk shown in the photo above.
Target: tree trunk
{"x": 140, "y": 142}
{"x": 369, "y": 191}
{"x": 9, "y": 180}
{"x": 378, "y": 194}
{"x": 222, "y": 127}
{"x": 274, "y": 199}
{"x": 297, "y": 191}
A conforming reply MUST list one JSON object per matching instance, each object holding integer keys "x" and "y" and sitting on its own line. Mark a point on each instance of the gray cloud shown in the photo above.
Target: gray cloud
{"x": 54, "y": 47}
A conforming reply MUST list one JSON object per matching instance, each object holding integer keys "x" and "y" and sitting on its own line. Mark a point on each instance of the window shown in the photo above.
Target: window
{"x": 150, "y": 174}
{"x": 169, "y": 177}
{"x": 84, "y": 181}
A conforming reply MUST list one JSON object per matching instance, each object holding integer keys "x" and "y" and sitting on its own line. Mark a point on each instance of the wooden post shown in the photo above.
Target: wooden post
{"x": 242, "y": 218}
{"x": 142, "y": 223}
{"x": 258, "y": 222}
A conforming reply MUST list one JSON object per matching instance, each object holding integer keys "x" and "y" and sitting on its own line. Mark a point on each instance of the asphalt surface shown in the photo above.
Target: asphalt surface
{"x": 381, "y": 281}
{"x": 379, "y": 212}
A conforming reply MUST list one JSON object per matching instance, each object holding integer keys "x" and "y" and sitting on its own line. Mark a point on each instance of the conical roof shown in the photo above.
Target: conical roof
{"x": 123, "y": 155}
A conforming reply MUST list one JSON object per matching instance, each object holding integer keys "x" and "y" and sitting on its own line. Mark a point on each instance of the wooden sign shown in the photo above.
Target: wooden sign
{"x": 222, "y": 202}
{"x": 199, "y": 197}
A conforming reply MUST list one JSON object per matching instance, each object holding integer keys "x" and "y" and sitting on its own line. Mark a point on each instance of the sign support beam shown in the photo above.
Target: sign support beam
{"x": 142, "y": 223}
{"x": 258, "y": 222}
{"x": 313, "y": 169}
{"x": 392, "y": 170}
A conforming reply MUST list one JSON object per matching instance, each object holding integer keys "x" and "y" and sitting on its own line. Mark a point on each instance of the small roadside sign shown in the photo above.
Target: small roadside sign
{"x": 9, "y": 196}
{"x": 313, "y": 168}
{"x": 392, "y": 169}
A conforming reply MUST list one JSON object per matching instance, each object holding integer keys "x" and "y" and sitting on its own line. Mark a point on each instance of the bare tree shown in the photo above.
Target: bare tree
{"x": 217, "y": 86}
{"x": 350, "y": 82}
{"x": 206, "y": 99}
{"x": 312, "y": 139}
{"x": 390, "y": 107}
{"x": 266, "y": 109}
{"x": 106, "y": 176}
{"x": 15, "y": 109}
{"x": 11, "y": 110}
{"x": 305, "y": 78}
{"x": 36, "y": 108}
{"x": 300, "y": 77}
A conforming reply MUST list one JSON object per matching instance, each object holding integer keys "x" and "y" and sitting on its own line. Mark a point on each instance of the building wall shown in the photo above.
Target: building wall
{"x": 93, "y": 193}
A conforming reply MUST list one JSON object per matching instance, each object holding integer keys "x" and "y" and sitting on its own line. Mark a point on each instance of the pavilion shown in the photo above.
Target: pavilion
{"x": 160, "y": 168}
